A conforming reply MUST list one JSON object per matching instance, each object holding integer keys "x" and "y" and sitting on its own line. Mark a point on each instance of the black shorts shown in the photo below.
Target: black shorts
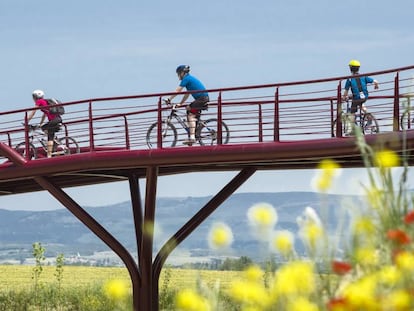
{"x": 356, "y": 103}
{"x": 52, "y": 127}
{"x": 198, "y": 105}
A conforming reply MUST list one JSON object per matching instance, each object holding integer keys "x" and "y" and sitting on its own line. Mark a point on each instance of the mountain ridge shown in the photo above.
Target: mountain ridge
{"x": 61, "y": 232}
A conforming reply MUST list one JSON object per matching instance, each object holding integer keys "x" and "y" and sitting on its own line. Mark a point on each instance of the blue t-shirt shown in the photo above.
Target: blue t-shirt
{"x": 191, "y": 83}
{"x": 353, "y": 84}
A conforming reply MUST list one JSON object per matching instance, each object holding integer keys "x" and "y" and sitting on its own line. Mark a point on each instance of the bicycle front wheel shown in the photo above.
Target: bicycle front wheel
{"x": 21, "y": 149}
{"x": 346, "y": 128}
{"x": 406, "y": 121}
{"x": 370, "y": 124}
{"x": 66, "y": 145}
{"x": 168, "y": 135}
{"x": 207, "y": 132}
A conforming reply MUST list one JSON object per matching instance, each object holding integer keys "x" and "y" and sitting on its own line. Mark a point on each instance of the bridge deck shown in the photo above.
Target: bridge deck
{"x": 110, "y": 166}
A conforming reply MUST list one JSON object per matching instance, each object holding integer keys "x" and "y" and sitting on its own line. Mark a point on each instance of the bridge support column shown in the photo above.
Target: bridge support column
{"x": 191, "y": 225}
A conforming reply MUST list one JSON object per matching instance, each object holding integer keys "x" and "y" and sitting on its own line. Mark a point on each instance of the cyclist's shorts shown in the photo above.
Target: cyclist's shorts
{"x": 52, "y": 127}
{"x": 199, "y": 104}
{"x": 356, "y": 103}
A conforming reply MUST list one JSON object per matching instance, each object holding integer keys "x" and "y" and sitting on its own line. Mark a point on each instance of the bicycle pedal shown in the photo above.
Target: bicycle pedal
{"x": 189, "y": 142}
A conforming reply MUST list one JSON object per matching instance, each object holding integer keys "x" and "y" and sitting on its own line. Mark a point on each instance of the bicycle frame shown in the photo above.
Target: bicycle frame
{"x": 358, "y": 116}
{"x": 179, "y": 118}
{"x": 36, "y": 134}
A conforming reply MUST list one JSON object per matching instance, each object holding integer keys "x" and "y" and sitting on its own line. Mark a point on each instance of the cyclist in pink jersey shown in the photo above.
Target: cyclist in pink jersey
{"x": 54, "y": 120}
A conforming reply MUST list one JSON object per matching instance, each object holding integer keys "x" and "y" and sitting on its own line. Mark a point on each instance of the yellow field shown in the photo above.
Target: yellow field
{"x": 20, "y": 277}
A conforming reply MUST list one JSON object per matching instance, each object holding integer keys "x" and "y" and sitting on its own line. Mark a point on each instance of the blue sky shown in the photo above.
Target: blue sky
{"x": 86, "y": 49}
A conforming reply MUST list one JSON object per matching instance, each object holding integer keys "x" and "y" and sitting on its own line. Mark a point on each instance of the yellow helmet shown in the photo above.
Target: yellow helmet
{"x": 354, "y": 63}
{"x": 354, "y": 66}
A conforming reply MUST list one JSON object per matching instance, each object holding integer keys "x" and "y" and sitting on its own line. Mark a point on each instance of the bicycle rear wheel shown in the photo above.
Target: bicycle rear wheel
{"x": 370, "y": 124}
{"x": 207, "y": 132}
{"x": 168, "y": 135}
{"x": 21, "y": 149}
{"x": 66, "y": 145}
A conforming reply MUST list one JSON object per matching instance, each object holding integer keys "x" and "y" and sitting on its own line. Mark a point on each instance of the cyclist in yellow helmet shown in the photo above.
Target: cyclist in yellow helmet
{"x": 358, "y": 87}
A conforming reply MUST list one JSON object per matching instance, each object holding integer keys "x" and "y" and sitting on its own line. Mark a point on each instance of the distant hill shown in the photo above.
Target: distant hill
{"x": 59, "y": 231}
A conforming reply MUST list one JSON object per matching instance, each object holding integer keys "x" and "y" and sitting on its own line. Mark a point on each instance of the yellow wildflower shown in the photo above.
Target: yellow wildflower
{"x": 148, "y": 228}
{"x": 386, "y": 159}
{"x": 262, "y": 218}
{"x": 189, "y": 300}
{"x": 366, "y": 256}
{"x": 364, "y": 226}
{"x": 294, "y": 278}
{"x": 262, "y": 215}
{"x": 220, "y": 236}
{"x": 116, "y": 289}
{"x": 361, "y": 294}
{"x": 328, "y": 169}
{"x": 398, "y": 300}
{"x": 282, "y": 242}
{"x": 301, "y": 304}
{"x": 389, "y": 276}
{"x": 405, "y": 261}
{"x": 254, "y": 273}
{"x": 249, "y": 293}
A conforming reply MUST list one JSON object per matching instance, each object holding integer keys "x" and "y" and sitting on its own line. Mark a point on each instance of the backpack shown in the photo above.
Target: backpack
{"x": 53, "y": 109}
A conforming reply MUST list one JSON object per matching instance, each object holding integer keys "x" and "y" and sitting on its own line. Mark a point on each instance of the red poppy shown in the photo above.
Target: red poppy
{"x": 340, "y": 267}
{"x": 398, "y": 236}
{"x": 409, "y": 218}
{"x": 337, "y": 304}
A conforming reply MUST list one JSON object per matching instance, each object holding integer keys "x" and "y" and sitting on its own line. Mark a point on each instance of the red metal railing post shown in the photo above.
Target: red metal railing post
{"x": 26, "y": 137}
{"x": 396, "y": 122}
{"x": 332, "y": 118}
{"x": 260, "y": 123}
{"x": 91, "y": 135}
{"x": 219, "y": 119}
{"x": 339, "y": 110}
{"x": 9, "y": 139}
{"x": 276, "y": 131}
{"x": 127, "y": 146}
{"x": 159, "y": 127}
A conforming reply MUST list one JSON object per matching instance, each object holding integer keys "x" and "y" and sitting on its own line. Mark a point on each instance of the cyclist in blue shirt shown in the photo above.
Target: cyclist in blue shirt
{"x": 201, "y": 99}
{"x": 358, "y": 87}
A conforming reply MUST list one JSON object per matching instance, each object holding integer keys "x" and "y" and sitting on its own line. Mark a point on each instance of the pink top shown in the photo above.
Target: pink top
{"x": 43, "y": 103}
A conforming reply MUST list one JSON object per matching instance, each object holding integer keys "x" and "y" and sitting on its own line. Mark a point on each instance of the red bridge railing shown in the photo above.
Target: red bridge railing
{"x": 277, "y": 112}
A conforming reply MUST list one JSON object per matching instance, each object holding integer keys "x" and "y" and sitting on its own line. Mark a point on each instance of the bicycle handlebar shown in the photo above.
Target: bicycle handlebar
{"x": 33, "y": 127}
{"x": 174, "y": 106}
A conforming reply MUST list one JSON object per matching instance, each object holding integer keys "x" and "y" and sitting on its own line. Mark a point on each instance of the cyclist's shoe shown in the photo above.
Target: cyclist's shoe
{"x": 189, "y": 142}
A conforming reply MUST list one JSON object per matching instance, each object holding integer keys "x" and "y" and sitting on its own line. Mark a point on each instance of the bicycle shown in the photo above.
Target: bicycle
{"x": 407, "y": 120}
{"x": 366, "y": 121}
{"x": 61, "y": 146}
{"x": 205, "y": 134}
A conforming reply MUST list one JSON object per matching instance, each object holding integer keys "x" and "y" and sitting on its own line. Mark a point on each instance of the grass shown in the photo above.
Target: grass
{"x": 82, "y": 287}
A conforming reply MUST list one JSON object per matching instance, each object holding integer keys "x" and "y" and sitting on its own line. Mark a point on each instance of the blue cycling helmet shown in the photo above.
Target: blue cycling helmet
{"x": 182, "y": 68}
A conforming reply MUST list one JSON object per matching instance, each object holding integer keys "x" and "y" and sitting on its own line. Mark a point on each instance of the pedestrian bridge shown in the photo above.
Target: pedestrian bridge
{"x": 277, "y": 126}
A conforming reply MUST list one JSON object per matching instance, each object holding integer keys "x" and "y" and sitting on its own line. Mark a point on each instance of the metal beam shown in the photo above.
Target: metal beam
{"x": 192, "y": 224}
